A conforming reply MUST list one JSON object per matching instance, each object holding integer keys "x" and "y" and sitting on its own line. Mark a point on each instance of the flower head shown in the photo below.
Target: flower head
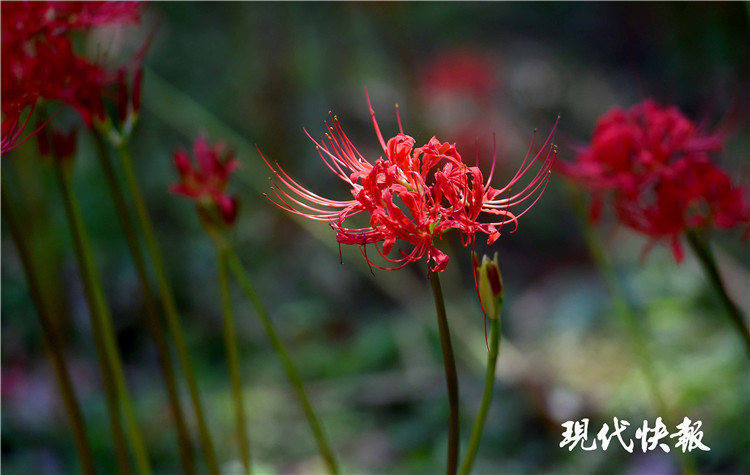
{"x": 629, "y": 148}
{"x": 411, "y": 194}
{"x": 694, "y": 193}
{"x": 39, "y": 61}
{"x": 656, "y": 164}
{"x": 206, "y": 183}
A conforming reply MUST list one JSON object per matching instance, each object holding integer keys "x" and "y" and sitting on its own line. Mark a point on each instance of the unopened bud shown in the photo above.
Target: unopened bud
{"x": 64, "y": 144}
{"x": 489, "y": 285}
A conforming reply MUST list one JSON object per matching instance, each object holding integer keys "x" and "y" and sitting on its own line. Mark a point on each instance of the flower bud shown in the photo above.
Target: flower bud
{"x": 489, "y": 285}
{"x": 61, "y": 145}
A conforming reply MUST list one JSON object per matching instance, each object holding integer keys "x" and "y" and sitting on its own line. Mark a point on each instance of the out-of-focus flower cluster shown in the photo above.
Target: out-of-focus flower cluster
{"x": 206, "y": 183}
{"x": 459, "y": 90}
{"x": 414, "y": 194}
{"x": 39, "y": 61}
{"x": 657, "y": 165}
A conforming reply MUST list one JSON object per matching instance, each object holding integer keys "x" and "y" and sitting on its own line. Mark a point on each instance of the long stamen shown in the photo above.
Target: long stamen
{"x": 375, "y": 122}
{"x": 398, "y": 119}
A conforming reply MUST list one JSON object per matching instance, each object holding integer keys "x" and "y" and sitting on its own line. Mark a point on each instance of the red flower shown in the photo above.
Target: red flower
{"x": 656, "y": 163}
{"x": 413, "y": 195}
{"x": 693, "y": 193}
{"x": 630, "y": 147}
{"x": 38, "y": 61}
{"x": 206, "y": 183}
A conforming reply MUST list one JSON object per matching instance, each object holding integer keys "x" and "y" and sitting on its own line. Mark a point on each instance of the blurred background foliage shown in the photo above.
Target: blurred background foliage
{"x": 366, "y": 344}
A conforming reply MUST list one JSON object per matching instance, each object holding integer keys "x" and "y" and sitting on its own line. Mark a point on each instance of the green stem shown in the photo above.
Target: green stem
{"x": 489, "y": 385}
{"x": 230, "y": 341}
{"x": 110, "y": 392}
{"x": 151, "y": 313}
{"x": 703, "y": 250}
{"x": 51, "y": 337}
{"x": 170, "y": 308}
{"x": 291, "y": 372}
{"x": 621, "y": 308}
{"x": 632, "y": 325}
{"x": 101, "y": 318}
{"x": 451, "y": 378}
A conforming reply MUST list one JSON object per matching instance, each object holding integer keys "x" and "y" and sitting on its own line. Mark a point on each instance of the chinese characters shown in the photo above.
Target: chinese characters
{"x": 688, "y": 435}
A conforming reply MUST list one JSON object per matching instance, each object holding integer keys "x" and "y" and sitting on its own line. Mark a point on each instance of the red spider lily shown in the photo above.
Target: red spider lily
{"x": 629, "y": 149}
{"x": 413, "y": 194}
{"x": 206, "y": 183}
{"x": 694, "y": 193}
{"x": 24, "y": 20}
{"x": 656, "y": 163}
{"x": 38, "y": 61}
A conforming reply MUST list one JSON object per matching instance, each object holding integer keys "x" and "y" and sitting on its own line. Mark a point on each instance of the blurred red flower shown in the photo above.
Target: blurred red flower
{"x": 460, "y": 72}
{"x": 206, "y": 183}
{"x": 38, "y": 61}
{"x": 656, "y": 163}
{"x": 693, "y": 193}
{"x": 459, "y": 90}
{"x": 413, "y": 194}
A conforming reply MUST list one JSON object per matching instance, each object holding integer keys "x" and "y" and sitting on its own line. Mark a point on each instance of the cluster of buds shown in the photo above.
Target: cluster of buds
{"x": 656, "y": 164}
{"x": 412, "y": 194}
{"x": 54, "y": 142}
{"x": 206, "y": 184}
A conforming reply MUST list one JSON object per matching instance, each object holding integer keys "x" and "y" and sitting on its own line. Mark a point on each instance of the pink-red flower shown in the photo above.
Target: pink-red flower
{"x": 206, "y": 182}
{"x": 693, "y": 193}
{"x": 38, "y": 60}
{"x": 411, "y": 194}
{"x": 656, "y": 165}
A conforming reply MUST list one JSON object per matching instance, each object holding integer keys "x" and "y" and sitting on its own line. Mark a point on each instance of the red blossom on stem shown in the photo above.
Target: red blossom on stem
{"x": 206, "y": 183}
{"x": 38, "y": 61}
{"x": 656, "y": 164}
{"x": 412, "y": 195}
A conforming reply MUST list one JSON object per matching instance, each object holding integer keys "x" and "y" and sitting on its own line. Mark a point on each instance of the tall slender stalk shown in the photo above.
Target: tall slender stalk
{"x": 489, "y": 385}
{"x": 247, "y": 287}
{"x": 622, "y": 310}
{"x": 170, "y": 307}
{"x": 110, "y": 391}
{"x": 101, "y": 318}
{"x": 152, "y": 316}
{"x": 703, "y": 251}
{"x": 51, "y": 338}
{"x": 451, "y": 378}
{"x": 230, "y": 341}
